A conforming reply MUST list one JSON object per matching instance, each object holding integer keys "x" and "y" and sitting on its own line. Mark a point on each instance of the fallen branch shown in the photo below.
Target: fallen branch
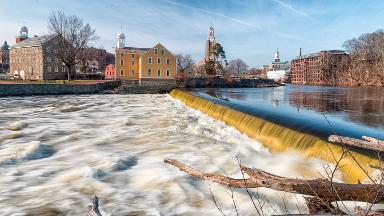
{"x": 376, "y": 146}
{"x": 93, "y": 210}
{"x": 318, "y": 187}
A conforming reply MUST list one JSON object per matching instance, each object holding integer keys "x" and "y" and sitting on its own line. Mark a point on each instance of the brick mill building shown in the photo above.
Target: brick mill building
{"x": 35, "y": 58}
{"x": 324, "y": 67}
{"x": 144, "y": 64}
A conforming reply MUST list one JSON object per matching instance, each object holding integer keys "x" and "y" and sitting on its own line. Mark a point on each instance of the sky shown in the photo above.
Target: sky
{"x": 250, "y": 30}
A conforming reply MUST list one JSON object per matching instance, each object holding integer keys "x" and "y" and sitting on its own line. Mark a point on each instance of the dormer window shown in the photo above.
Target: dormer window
{"x": 162, "y": 51}
{"x": 155, "y": 50}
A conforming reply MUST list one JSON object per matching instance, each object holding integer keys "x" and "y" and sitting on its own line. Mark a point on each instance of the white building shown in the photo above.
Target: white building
{"x": 277, "y": 75}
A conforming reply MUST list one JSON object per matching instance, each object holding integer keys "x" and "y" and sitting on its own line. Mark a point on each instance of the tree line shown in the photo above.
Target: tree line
{"x": 366, "y": 59}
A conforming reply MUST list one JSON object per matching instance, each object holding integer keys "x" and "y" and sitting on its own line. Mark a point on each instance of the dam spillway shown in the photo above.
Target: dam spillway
{"x": 279, "y": 138}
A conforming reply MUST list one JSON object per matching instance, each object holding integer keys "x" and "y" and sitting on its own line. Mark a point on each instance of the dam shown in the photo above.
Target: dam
{"x": 300, "y": 118}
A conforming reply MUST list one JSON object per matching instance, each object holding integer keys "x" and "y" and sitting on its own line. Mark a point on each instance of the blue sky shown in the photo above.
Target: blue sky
{"x": 251, "y": 30}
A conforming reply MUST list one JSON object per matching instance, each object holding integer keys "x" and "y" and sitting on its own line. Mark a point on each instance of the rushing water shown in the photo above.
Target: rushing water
{"x": 56, "y": 152}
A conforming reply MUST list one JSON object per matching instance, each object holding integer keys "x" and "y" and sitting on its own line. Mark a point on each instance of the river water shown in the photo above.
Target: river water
{"x": 57, "y": 152}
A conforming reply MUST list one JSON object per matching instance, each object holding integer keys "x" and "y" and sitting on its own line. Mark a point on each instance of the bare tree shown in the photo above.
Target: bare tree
{"x": 237, "y": 67}
{"x": 73, "y": 36}
{"x": 86, "y": 56}
{"x": 367, "y": 58}
{"x": 184, "y": 63}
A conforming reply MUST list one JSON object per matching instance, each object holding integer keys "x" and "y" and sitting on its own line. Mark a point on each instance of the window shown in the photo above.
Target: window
{"x": 121, "y": 72}
{"x": 57, "y": 60}
{"x": 149, "y": 72}
{"x": 155, "y": 50}
{"x": 168, "y": 72}
{"x": 132, "y": 62}
{"x": 168, "y": 61}
{"x": 121, "y": 55}
{"x": 56, "y": 69}
{"x": 48, "y": 59}
{"x": 150, "y": 60}
{"x": 159, "y": 60}
{"x": 132, "y": 55}
{"x": 162, "y": 51}
{"x": 49, "y": 69}
{"x": 121, "y": 62}
{"x": 159, "y": 72}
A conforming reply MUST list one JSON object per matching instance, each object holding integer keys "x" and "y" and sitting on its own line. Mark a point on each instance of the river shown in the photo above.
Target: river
{"x": 57, "y": 152}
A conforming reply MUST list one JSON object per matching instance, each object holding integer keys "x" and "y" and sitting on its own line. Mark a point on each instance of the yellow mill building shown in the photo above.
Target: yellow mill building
{"x": 133, "y": 63}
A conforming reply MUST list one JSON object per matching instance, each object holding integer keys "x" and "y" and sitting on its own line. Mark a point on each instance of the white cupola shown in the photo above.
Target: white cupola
{"x": 120, "y": 40}
{"x": 277, "y": 56}
{"x": 24, "y": 32}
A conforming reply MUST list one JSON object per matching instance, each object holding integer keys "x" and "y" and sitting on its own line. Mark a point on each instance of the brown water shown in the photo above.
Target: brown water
{"x": 57, "y": 152}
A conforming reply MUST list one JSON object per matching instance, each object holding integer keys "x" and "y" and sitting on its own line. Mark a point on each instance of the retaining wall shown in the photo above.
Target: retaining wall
{"x": 19, "y": 89}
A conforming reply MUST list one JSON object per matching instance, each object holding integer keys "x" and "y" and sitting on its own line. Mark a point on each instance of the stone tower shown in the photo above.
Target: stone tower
{"x": 210, "y": 44}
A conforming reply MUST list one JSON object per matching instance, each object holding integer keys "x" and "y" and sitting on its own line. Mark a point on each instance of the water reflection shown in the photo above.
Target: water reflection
{"x": 364, "y": 105}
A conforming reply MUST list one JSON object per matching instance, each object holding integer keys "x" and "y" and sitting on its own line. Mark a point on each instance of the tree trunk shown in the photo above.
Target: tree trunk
{"x": 321, "y": 188}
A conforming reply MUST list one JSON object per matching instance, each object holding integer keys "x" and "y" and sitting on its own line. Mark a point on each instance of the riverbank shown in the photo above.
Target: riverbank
{"x": 145, "y": 86}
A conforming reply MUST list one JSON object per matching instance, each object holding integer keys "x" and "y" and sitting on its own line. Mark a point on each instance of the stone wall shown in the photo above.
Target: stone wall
{"x": 147, "y": 86}
{"x": 54, "y": 89}
{"x": 225, "y": 83}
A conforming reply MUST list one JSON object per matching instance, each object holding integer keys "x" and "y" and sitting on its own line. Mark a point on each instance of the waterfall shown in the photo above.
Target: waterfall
{"x": 279, "y": 139}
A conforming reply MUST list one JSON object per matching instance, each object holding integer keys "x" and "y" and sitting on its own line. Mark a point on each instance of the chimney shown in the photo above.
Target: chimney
{"x": 300, "y": 52}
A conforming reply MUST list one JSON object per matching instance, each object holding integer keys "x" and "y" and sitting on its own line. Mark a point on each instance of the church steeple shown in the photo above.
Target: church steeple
{"x": 209, "y": 45}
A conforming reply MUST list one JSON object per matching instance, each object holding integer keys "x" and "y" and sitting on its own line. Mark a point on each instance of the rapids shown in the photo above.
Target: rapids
{"x": 56, "y": 152}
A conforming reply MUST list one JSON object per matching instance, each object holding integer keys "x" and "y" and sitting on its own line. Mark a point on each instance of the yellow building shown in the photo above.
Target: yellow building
{"x": 134, "y": 63}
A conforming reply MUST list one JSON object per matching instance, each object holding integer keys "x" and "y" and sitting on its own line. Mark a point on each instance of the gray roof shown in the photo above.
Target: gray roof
{"x": 137, "y": 49}
{"x": 33, "y": 41}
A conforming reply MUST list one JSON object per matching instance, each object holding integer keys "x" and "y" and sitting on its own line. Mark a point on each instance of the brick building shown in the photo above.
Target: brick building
{"x": 133, "y": 63}
{"x": 324, "y": 67}
{"x": 35, "y": 58}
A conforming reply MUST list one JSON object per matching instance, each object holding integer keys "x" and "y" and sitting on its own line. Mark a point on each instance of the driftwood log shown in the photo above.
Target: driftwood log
{"x": 93, "y": 210}
{"x": 368, "y": 142}
{"x": 331, "y": 191}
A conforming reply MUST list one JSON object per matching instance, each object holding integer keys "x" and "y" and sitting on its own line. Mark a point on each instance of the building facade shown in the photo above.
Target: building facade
{"x": 4, "y": 58}
{"x": 133, "y": 63}
{"x": 109, "y": 72}
{"x": 35, "y": 58}
{"x": 324, "y": 67}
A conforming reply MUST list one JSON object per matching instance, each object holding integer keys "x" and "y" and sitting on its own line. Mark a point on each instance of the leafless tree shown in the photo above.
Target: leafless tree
{"x": 86, "y": 56}
{"x": 237, "y": 67}
{"x": 73, "y": 36}
{"x": 367, "y": 58}
{"x": 184, "y": 63}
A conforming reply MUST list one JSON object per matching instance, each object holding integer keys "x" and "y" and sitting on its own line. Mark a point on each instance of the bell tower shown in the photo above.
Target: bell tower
{"x": 210, "y": 44}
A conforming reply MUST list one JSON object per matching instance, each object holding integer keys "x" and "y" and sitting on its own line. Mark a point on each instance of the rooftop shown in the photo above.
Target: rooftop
{"x": 33, "y": 41}
{"x": 136, "y": 49}
{"x": 334, "y": 52}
